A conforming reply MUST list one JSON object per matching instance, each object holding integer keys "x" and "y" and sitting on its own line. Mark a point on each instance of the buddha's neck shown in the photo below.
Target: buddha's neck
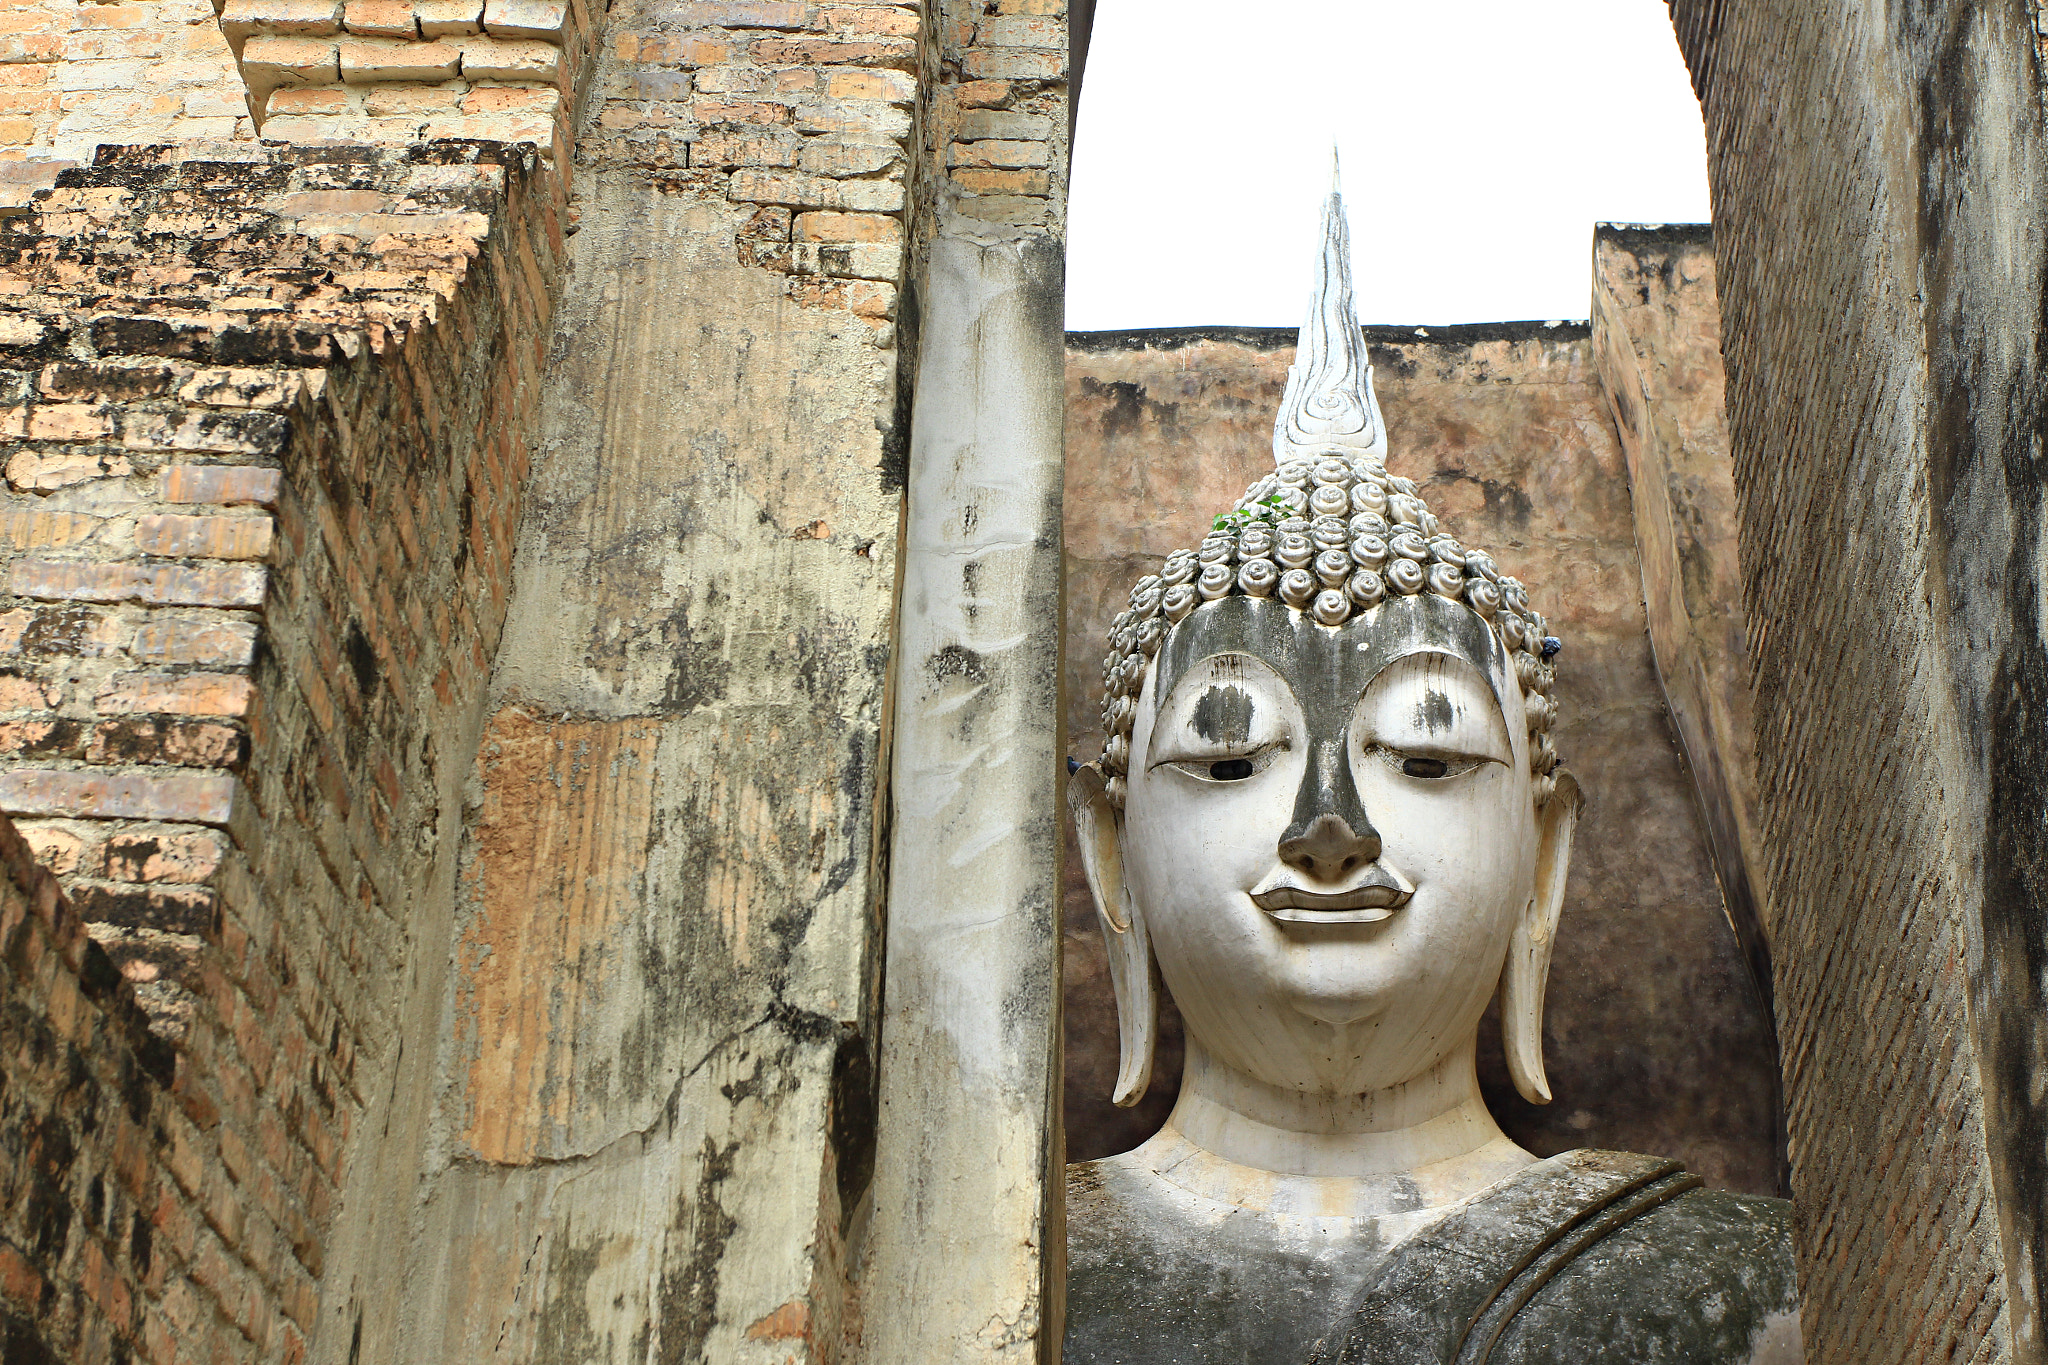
{"x": 1430, "y": 1136}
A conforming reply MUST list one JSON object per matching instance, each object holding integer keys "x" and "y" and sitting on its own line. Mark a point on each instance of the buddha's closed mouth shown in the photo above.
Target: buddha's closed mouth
{"x": 1374, "y": 897}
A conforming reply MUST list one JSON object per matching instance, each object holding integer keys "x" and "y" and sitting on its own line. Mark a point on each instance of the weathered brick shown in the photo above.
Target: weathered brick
{"x": 242, "y": 19}
{"x": 801, "y": 191}
{"x": 869, "y": 19}
{"x": 449, "y": 18}
{"x": 166, "y": 584}
{"x": 222, "y": 484}
{"x": 166, "y": 909}
{"x": 34, "y": 528}
{"x": 18, "y": 693}
{"x": 742, "y": 149}
{"x": 188, "y": 857}
{"x": 56, "y": 847}
{"x": 983, "y": 94}
{"x": 1015, "y": 64}
{"x": 839, "y": 159}
{"x": 1004, "y": 208}
{"x": 195, "y": 638}
{"x": 509, "y": 99}
{"x": 228, "y": 432}
{"x": 508, "y": 59}
{"x": 69, "y": 422}
{"x": 984, "y": 124}
{"x": 526, "y": 19}
{"x": 242, "y": 537}
{"x": 80, "y": 631}
{"x": 1020, "y": 30}
{"x": 364, "y": 61}
{"x": 187, "y": 743}
{"x": 234, "y": 387}
{"x": 46, "y": 471}
{"x": 849, "y": 260}
{"x": 1003, "y": 182}
{"x": 899, "y": 54}
{"x": 183, "y": 694}
{"x": 399, "y": 98}
{"x": 862, "y": 121}
{"x": 39, "y": 738}
{"x": 828, "y": 226}
{"x": 380, "y": 19}
{"x": 307, "y": 101}
{"x": 200, "y": 799}
{"x": 269, "y": 62}
{"x": 888, "y": 87}
{"x": 745, "y": 14}
{"x": 999, "y": 153}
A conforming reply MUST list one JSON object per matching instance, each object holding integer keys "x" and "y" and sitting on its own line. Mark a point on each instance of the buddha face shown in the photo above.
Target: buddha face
{"x": 1330, "y": 834}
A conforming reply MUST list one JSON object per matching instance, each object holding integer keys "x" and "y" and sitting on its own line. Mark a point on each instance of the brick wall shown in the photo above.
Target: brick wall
{"x": 995, "y": 138}
{"x": 798, "y": 112}
{"x": 129, "y": 1226}
{"x": 1881, "y": 238}
{"x": 261, "y": 483}
{"x": 76, "y": 74}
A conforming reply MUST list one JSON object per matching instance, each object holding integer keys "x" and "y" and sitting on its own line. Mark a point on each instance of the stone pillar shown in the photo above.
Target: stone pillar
{"x": 1883, "y": 253}
{"x": 968, "y": 1194}
{"x": 965, "y": 1241}
{"x": 639, "y": 1098}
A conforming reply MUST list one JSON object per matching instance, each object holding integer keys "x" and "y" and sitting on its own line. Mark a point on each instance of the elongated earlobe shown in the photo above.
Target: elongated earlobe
{"x": 1527, "y": 972}
{"x": 1098, "y": 830}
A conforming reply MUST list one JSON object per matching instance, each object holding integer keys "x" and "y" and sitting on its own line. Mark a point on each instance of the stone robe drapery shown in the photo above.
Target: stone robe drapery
{"x": 1589, "y": 1258}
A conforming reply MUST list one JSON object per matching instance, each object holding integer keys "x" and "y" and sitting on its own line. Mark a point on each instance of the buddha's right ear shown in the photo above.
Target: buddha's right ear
{"x": 1098, "y": 829}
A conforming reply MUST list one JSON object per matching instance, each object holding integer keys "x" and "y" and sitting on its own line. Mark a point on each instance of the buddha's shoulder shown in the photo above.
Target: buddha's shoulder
{"x": 1160, "y": 1275}
{"x": 1587, "y": 1258}
{"x": 1704, "y": 1276}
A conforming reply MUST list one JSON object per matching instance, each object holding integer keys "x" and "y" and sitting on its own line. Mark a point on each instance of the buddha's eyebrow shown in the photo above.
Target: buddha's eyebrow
{"x": 1436, "y": 711}
{"x": 1223, "y": 715}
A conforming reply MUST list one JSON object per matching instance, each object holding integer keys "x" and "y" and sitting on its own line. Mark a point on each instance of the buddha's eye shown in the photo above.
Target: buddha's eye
{"x": 1427, "y": 767}
{"x": 1220, "y": 770}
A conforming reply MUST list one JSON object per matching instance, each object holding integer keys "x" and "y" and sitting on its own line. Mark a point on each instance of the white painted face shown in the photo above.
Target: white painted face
{"x": 1331, "y": 835}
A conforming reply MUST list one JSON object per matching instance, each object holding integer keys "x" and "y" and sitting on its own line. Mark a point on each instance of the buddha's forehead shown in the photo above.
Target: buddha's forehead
{"x": 1328, "y": 668}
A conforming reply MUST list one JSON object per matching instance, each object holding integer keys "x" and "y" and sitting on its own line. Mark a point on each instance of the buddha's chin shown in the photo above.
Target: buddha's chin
{"x": 1341, "y": 1013}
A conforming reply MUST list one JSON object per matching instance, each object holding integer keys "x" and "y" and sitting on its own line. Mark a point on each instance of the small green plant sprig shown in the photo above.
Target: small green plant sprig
{"x": 1268, "y": 509}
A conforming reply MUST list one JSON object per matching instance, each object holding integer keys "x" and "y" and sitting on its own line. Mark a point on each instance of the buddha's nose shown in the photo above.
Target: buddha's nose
{"x": 1329, "y": 837}
{"x": 1329, "y": 849}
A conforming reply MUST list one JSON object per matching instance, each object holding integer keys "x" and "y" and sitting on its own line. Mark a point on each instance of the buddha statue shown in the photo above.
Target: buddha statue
{"x": 1330, "y": 816}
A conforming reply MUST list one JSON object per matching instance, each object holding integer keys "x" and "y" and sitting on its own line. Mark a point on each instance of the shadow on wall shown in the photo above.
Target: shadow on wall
{"x": 1655, "y": 1040}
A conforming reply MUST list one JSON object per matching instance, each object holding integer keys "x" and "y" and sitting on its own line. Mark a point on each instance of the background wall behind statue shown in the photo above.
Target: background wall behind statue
{"x": 1656, "y": 1040}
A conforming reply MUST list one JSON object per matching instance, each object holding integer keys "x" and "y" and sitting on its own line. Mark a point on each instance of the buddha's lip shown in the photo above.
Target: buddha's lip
{"x": 1375, "y": 899}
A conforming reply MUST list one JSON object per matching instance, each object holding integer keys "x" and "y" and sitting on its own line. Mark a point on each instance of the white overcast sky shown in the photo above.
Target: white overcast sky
{"x": 1482, "y": 139}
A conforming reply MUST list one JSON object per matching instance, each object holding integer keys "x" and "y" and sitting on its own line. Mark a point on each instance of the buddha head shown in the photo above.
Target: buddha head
{"x": 1328, "y": 811}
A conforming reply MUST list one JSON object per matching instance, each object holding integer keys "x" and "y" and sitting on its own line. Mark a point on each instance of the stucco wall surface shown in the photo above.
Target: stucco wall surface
{"x": 1656, "y": 1041}
{"x": 1883, "y": 253}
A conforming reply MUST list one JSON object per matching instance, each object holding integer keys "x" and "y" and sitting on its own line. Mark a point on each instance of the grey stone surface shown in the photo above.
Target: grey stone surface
{"x": 1159, "y": 1276}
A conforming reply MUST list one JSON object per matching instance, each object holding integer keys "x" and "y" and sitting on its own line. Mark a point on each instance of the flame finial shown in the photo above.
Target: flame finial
{"x": 1329, "y": 403}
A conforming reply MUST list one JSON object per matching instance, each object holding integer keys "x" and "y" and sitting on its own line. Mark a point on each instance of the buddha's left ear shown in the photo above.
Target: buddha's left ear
{"x": 1098, "y": 829}
{"x": 1527, "y": 972}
